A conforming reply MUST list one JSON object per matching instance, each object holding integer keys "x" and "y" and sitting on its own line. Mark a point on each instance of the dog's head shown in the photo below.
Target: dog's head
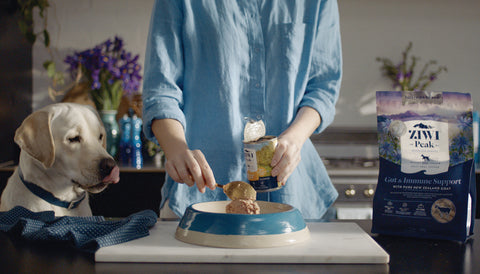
{"x": 69, "y": 139}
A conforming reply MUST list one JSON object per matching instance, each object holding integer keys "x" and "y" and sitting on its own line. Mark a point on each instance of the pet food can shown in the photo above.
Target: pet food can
{"x": 258, "y": 157}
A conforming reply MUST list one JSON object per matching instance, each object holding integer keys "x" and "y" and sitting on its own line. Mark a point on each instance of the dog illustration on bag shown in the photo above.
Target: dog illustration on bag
{"x": 425, "y": 158}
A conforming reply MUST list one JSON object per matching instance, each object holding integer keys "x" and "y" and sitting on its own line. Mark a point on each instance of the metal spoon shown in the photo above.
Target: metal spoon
{"x": 239, "y": 190}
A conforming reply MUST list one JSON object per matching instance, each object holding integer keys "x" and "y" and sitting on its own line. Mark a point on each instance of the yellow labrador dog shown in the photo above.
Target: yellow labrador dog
{"x": 62, "y": 158}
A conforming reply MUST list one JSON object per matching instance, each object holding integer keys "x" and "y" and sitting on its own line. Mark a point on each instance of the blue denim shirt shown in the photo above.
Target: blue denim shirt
{"x": 211, "y": 64}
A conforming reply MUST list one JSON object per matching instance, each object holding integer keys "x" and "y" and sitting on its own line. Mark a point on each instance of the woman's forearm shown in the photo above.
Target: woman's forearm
{"x": 305, "y": 123}
{"x": 170, "y": 135}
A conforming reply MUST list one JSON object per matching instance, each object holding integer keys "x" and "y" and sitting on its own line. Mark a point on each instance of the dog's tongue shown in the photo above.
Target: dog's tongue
{"x": 113, "y": 177}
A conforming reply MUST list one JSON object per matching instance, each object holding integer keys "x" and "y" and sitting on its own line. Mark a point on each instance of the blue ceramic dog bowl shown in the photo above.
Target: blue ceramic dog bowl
{"x": 207, "y": 224}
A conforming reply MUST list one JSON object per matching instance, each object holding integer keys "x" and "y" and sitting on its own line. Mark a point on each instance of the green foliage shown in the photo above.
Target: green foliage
{"x": 52, "y": 73}
{"x": 26, "y": 22}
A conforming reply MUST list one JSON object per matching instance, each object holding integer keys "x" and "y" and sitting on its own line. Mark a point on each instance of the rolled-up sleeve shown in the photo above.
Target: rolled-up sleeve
{"x": 163, "y": 76}
{"x": 325, "y": 75}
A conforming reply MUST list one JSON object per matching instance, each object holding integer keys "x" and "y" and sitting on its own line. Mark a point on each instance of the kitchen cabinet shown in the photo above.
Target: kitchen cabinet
{"x": 137, "y": 190}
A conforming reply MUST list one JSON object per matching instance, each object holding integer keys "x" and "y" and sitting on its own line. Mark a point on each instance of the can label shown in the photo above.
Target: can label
{"x": 258, "y": 157}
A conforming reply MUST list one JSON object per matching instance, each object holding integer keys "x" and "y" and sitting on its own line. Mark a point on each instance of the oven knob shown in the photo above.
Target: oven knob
{"x": 350, "y": 192}
{"x": 368, "y": 192}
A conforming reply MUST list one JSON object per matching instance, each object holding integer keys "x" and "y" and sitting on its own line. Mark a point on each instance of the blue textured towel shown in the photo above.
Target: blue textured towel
{"x": 85, "y": 233}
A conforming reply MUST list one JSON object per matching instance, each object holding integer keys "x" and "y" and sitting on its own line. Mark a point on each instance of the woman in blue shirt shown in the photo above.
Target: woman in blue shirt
{"x": 211, "y": 64}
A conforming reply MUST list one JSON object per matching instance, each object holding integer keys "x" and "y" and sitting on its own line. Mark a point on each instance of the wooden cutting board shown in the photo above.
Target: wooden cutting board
{"x": 338, "y": 243}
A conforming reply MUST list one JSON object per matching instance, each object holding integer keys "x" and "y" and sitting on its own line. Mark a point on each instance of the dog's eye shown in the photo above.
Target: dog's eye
{"x": 75, "y": 139}
{"x": 100, "y": 137}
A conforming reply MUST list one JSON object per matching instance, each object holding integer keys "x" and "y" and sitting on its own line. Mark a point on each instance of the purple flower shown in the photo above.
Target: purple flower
{"x": 386, "y": 149}
{"x": 384, "y": 125}
{"x": 108, "y": 44}
{"x": 465, "y": 122}
{"x": 461, "y": 143}
{"x": 117, "y": 44}
{"x": 402, "y": 74}
{"x": 104, "y": 65}
{"x": 456, "y": 158}
{"x": 400, "y": 77}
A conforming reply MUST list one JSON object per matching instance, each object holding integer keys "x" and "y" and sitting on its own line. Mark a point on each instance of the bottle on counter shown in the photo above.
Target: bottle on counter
{"x": 136, "y": 142}
{"x": 125, "y": 144}
{"x": 476, "y": 137}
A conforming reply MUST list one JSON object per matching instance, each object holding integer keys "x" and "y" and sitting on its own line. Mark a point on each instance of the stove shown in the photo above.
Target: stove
{"x": 351, "y": 159}
{"x": 355, "y": 180}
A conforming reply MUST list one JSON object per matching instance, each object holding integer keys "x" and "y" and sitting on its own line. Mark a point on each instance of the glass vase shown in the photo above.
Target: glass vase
{"x": 111, "y": 127}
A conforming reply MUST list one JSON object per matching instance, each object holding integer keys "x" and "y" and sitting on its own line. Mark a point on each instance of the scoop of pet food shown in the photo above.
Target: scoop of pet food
{"x": 243, "y": 206}
{"x": 239, "y": 190}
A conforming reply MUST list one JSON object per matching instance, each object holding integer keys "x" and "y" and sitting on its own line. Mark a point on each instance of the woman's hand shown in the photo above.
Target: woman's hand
{"x": 285, "y": 158}
{"x": 290, "y": 142}
{"x": 183, "y": 165}
{"x": 190, "y": 167}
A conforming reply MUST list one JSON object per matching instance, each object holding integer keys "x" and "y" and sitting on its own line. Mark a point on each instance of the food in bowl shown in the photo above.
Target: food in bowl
{"x": 242, "y": 206}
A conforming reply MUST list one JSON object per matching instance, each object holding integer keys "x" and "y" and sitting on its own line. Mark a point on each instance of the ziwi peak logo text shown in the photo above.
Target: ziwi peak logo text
{"x": 424, "y": 136}
{"x": 424, "y": 147}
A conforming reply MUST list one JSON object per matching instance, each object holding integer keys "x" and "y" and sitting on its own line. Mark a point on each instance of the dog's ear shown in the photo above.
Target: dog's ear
{"x": 35, "y": 137}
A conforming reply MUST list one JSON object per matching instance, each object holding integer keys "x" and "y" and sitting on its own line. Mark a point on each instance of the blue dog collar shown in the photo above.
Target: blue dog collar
{"x": 47, "y": 196}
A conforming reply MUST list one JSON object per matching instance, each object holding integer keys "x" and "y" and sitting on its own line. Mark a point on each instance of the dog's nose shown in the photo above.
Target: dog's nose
{"x": 106, "y": 165}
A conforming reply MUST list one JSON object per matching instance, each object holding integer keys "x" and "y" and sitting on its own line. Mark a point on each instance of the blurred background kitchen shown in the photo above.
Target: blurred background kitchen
{"x": 442, "y": 30}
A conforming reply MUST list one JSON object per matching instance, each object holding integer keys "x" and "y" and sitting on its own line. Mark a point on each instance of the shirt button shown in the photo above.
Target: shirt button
{"x": 257, "y": 85}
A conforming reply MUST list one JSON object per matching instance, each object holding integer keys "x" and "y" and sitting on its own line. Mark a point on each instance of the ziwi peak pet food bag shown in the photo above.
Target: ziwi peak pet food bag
{"x": 426, "y": 182}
